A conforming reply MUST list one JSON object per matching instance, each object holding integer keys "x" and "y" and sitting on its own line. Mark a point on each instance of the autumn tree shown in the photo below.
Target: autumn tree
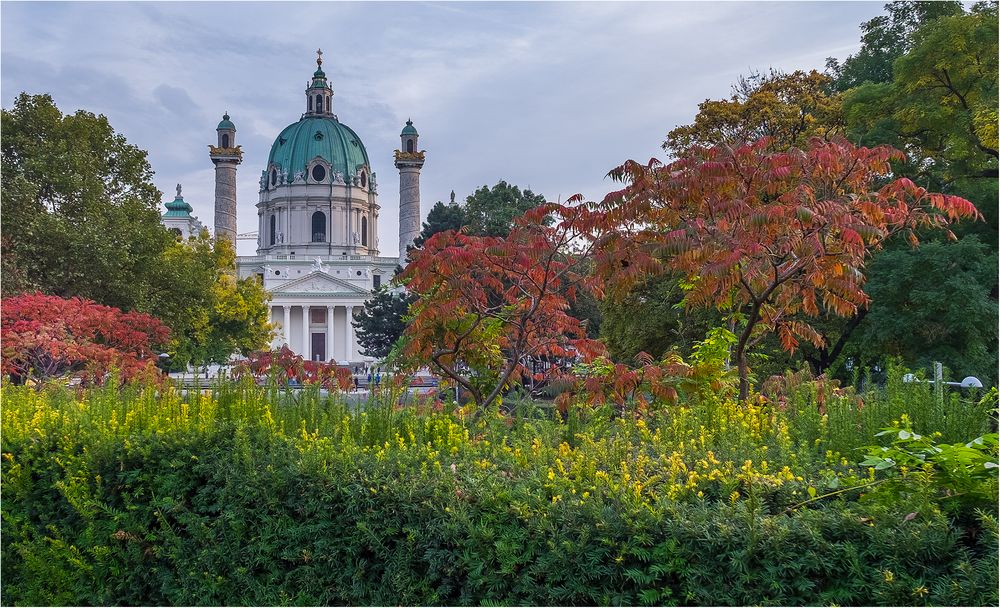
{"x": 765, "y": 235}
{"x": 47, "y": 337}
{"x": 789, "y": 109}
{"x": 487, "y": 304}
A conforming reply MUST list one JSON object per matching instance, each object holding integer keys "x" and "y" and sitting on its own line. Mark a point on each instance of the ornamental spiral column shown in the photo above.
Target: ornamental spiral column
{"x": 226, "y": 156}
{"x": 409, "y": 162}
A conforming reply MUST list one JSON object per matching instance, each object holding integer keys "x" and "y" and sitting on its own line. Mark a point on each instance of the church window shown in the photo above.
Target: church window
{"x": 177, "y": 232}
{"x": 364, "y": 231}
{"x": 317, "y": 315}
{"x": 274, "y": 176}
{"x": 319, "y": 173}
{"x": 310, "y": 104}
{"x": 409, "y": 145}
{"x": 364, "y": 180}
{"x": 225, "y": 140}
{"x": 376, "y": 282}
{"x": 327, "y": 103}
{"x": 319, "y": 227}
{"x": 319, "y": 103}
{"x": 274, "y": 229}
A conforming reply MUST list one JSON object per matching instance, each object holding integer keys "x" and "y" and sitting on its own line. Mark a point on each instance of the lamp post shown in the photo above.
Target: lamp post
{"x": 939, "y": 383}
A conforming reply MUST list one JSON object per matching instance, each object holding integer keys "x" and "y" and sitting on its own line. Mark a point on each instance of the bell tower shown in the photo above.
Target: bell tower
{"x": 409, "y": 161}
{"x": 226, "y": 156}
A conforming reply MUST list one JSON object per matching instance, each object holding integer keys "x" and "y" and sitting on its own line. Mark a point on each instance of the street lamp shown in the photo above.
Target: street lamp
{"x": 939, "y": 383}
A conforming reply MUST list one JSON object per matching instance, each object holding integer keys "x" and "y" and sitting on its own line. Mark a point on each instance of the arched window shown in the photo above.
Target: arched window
{"x": 225, "y": 140}
{"x": 319, "y": 103}
{"x": 177, "y": 232}
{"x": 364, "y": 180}
{"x": 327, "y": 103}
{"x": 310, "y": 104}
{"x": 364, "y": 231}
{"x": 274, "y": 229}
{"x": 409, "y": 145}
{"x": 319, "y": 227}
{"x": 319, "y": 173}
{"x": 274, "y": 176}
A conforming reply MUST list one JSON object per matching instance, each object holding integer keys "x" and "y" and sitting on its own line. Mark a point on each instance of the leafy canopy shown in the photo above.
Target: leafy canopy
{"x": 81, "y": 214}
{"x": 787, "y": 108}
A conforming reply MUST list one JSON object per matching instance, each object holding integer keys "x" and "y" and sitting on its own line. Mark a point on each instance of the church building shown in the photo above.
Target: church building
{"x": 317, "y": 218}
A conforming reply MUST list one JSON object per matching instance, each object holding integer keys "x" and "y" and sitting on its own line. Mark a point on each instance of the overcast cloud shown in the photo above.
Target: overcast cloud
{"x": 549, "y": 96}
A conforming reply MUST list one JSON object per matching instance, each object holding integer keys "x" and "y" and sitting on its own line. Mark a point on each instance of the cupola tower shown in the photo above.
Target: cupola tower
{"x": 319, "y": 95}
{"x": 226, "y": 156}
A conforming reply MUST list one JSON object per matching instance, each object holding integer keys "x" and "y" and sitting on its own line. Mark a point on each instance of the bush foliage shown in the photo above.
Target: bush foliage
{"x": 251, "y": 495}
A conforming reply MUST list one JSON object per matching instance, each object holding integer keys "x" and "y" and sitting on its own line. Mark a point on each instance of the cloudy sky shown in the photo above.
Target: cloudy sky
{"x": 549, "y": 96}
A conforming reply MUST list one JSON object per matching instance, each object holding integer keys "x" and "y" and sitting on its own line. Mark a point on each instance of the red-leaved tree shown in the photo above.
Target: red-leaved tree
{"x": 767, "y": 236}
{"x": 488, "y": 305}
{"x": 47, "y": 337}
{"x": 284, "y": 366}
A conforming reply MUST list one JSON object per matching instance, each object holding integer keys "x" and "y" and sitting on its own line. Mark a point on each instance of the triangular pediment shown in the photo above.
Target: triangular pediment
{"x": 318, "y": 282}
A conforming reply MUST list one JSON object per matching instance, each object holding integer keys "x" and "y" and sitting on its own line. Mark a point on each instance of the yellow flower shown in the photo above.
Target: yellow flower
{"x": 888, "y": 575}
{"x": 921, "y": 591}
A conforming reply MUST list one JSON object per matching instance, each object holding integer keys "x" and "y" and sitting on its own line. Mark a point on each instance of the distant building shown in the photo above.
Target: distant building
{"x": 318, "y": 214}
{"x": 178, "y": 218}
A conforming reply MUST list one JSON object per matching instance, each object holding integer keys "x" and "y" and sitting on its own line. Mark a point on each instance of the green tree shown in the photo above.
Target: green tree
{"x": 440, "y": 218}
{"x": 491, "y": 211}
{"x": 960, "y": 329}
{"x": 884, "y": 39}
{"x": 213, "y": 314}
{"x": 652, "y": 319}
{"x": 81, "y": 214}
{"x": 381, "y": 322}
{"x": 940, "y": 107}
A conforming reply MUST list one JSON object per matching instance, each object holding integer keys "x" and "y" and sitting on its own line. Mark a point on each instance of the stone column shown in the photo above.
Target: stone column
{"x": 329, "y": 333}
{"x": 409, "y": 165}
{"x": 286, "y": 327}
{"x": 348, "y": 333}
{"x": 306, "y": 349}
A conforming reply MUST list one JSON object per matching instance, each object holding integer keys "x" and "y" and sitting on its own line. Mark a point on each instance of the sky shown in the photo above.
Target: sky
{"x": 547, "y": 96}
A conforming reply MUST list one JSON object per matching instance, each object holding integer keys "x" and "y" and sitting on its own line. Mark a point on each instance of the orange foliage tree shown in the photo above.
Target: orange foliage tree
{"x": 488, "y": 305}
{"x": 765, "y": 235}
{"x": 47, "y": 337}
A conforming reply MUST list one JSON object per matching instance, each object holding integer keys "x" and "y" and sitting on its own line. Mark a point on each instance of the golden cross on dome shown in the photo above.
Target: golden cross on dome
{"x": 319, "y": 56}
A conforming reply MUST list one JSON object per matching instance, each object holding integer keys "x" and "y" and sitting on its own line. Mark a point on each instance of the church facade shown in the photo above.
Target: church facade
{"x": 318, "y": 215}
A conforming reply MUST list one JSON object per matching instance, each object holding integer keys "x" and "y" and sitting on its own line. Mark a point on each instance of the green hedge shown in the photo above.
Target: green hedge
{"x": 235, "y": 511}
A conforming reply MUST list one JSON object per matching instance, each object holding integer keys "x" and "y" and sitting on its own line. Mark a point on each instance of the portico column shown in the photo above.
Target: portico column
{"x": 329, "y": 333}
{"x": 348, "y": 339}
{"x": 286, "y": 326}
{"x": 306, "y": 353}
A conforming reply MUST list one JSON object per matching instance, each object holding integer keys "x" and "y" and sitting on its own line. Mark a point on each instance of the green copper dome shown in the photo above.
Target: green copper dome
{"x": 409, "y": 129}
{"x": 323, "y": 136}
{"x": 178, "y": 208}
{"x": 226, "y": 124}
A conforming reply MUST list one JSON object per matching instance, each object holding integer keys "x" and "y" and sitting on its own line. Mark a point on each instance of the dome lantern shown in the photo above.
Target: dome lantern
{"x": 319, "y": 95}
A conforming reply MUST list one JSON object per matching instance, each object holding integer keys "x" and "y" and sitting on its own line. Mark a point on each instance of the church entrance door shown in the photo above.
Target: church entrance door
{"x": 318, "y": 347}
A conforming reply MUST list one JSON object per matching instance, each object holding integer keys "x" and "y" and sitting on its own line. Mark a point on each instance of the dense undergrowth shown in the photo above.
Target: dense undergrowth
{"x": 246, "y": 495}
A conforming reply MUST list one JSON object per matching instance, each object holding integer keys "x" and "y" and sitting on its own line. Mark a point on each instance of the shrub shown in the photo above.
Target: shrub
{"x": 251, "y": 495}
